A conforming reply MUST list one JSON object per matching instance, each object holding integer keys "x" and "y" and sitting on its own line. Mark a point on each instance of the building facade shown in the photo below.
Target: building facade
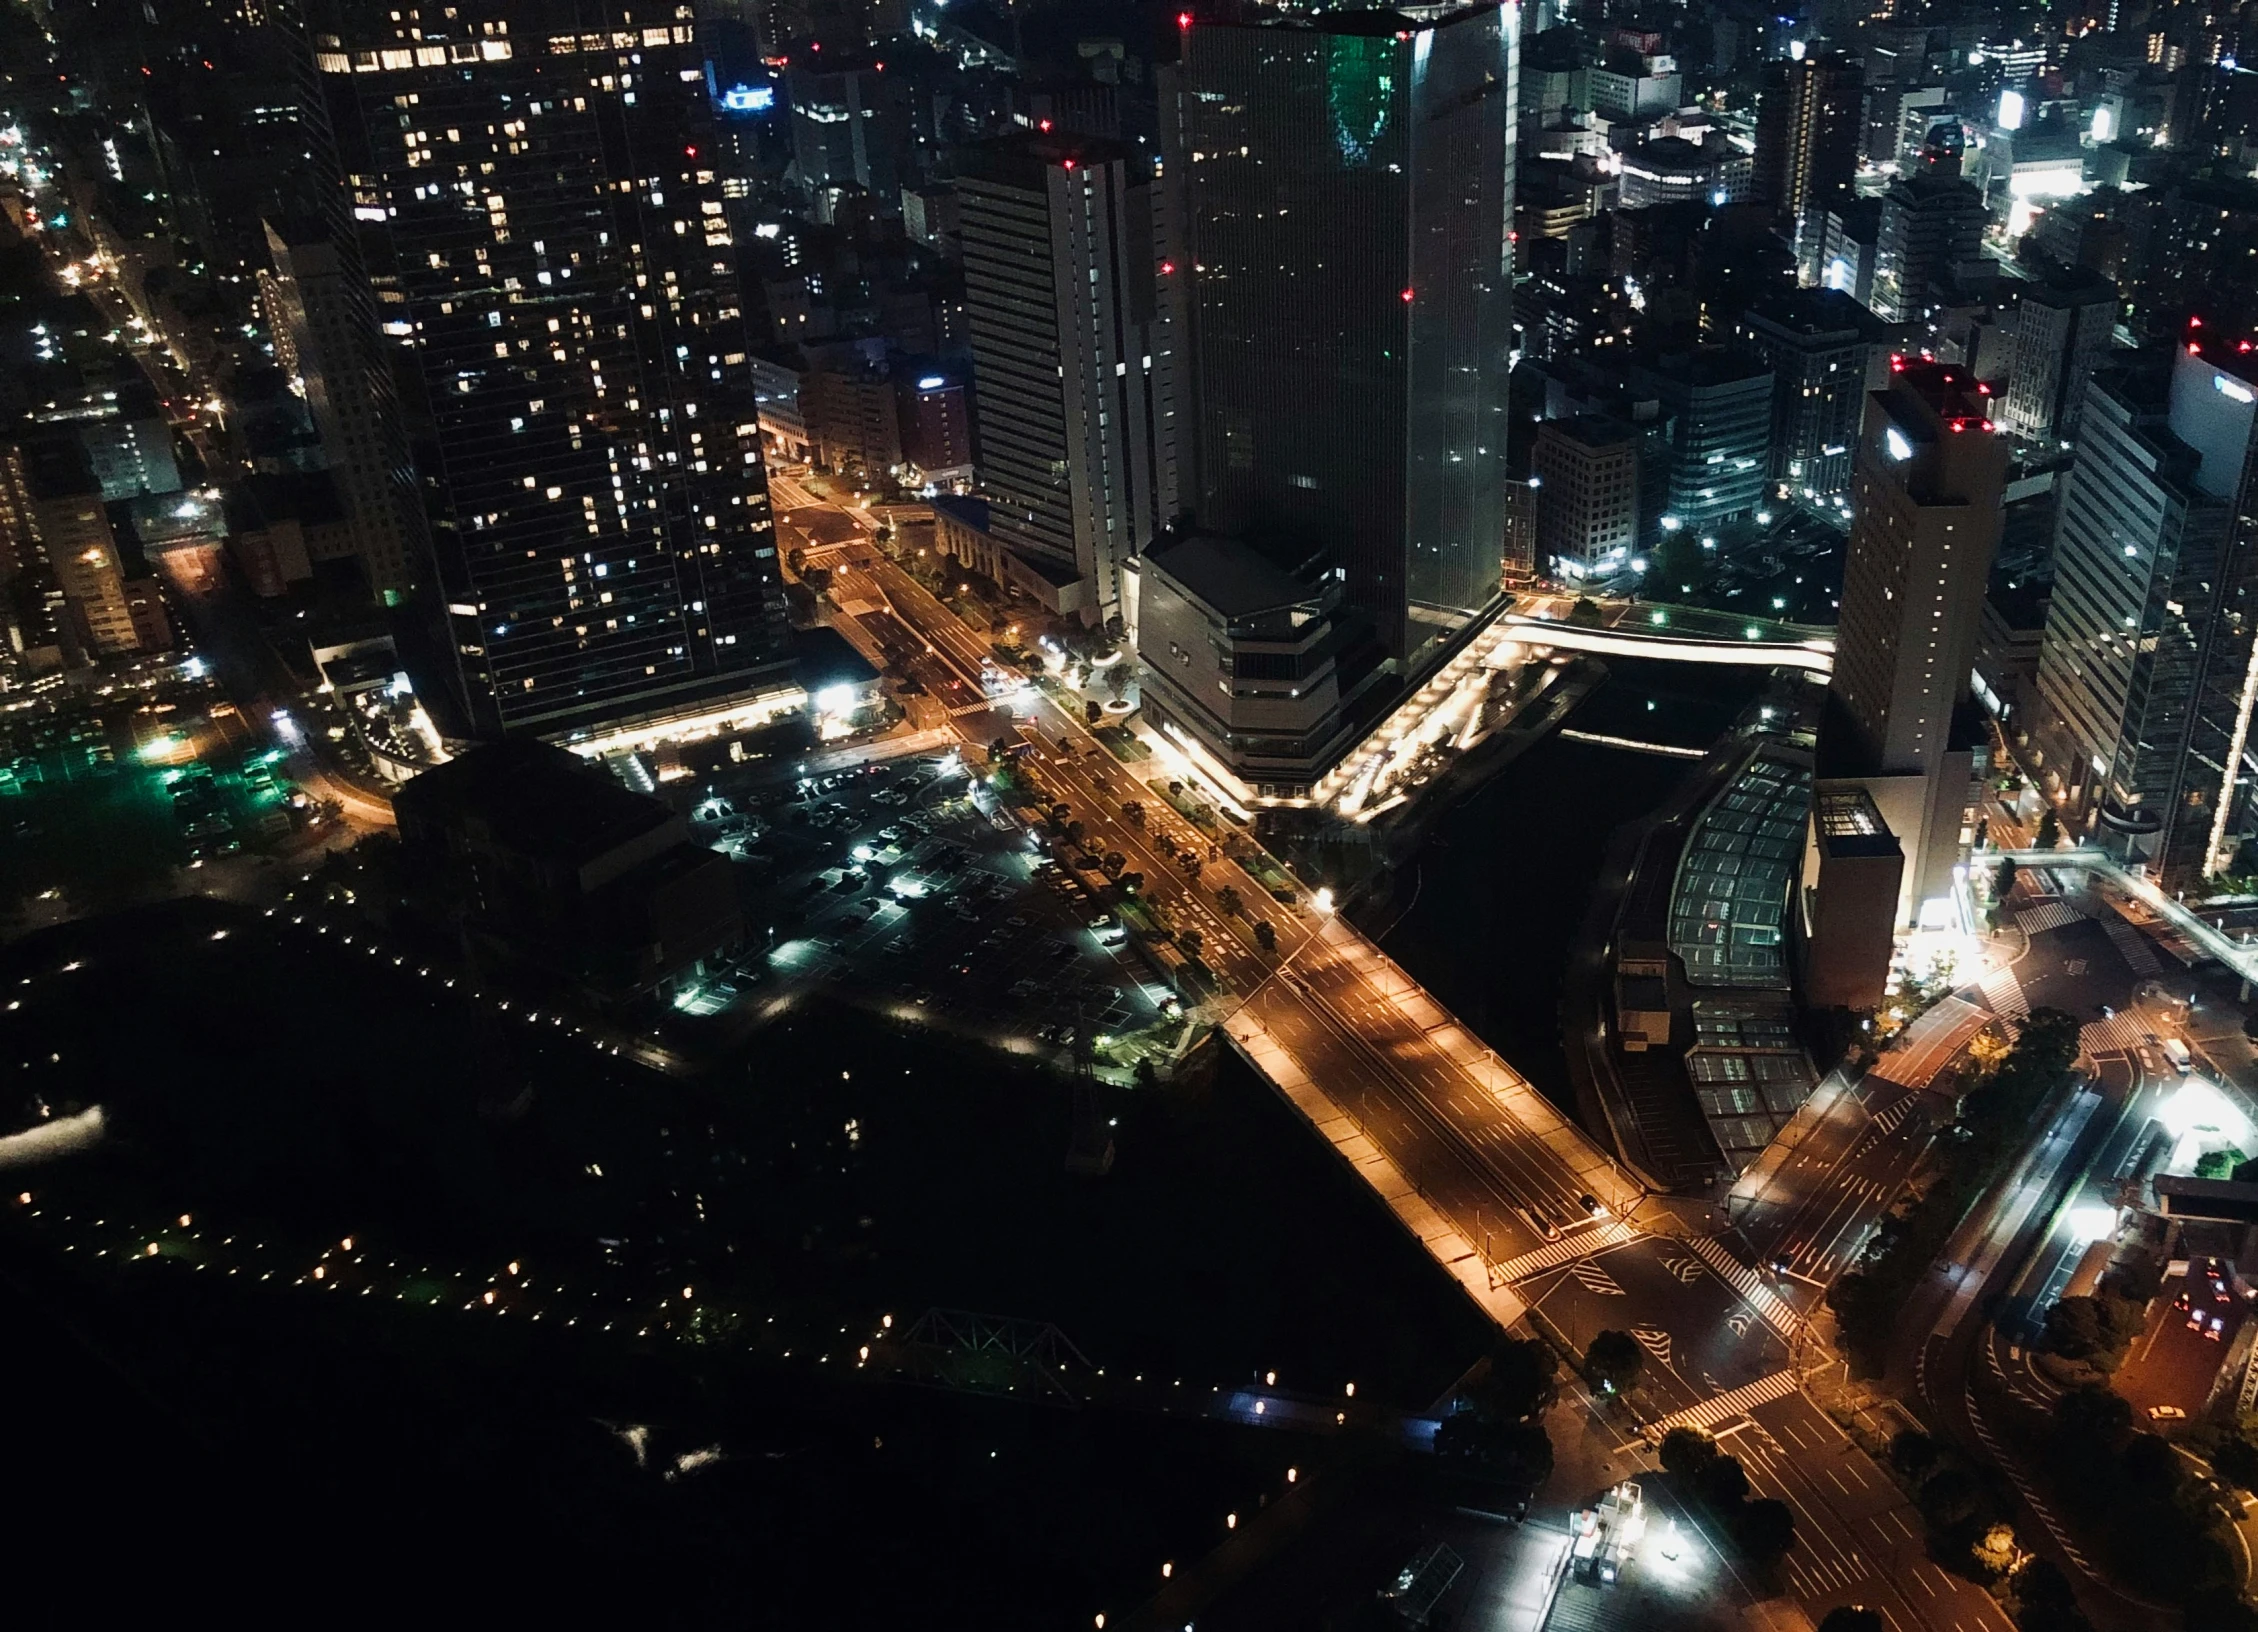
{"x": 1344, "y": 187}
{"x": 1824, "y": 350}
{"x": 1585, "y": 472}
{"x": 2144, "y": 681}
{"x": 2063, "y": 326}
{"x": 1925, "y": 521}
{"x": 551, "y": 247}
{"x": 1070, "y": 432}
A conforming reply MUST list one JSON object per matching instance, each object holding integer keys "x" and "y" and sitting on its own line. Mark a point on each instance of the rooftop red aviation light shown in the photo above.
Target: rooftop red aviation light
{"x": 1166, "y": 267}
{"x": 1183, "y": 19}
{"x": 1407, "y": 297}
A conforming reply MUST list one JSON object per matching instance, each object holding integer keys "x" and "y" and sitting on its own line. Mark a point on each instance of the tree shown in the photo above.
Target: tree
{"x": 1227, "y": 900}
{"x": 1074, "y": 832}
{"x": 1951, "y": 1499}
{"x": 1133, "y": 813}
{"x": 1686, "y": 1452}
{"x": 1117, "y": 681}
{"x": 1613, "y": 1361}
{"x": 2049, "y": 829}
{"x": 1092, "y": 713}
{"x": 1853, "y": 1618}
{"x": 1522, "y": 1380}
{"x": 1112, "y": 862}
{"x": 1723, "y": 1483}
{"x": 2074, "y": 1329}
{"x": 1264, "y": 936}
{"x": 2091, "y": 1418}
{"x": 1131, "y": 883}
{"x": 1586, "y": 614}
{"x": 1913, "y": 1453}
{"x": 1765, "y": 1529}
{"x": 1191, "y": 941}
{"x": 2003, "y": 878}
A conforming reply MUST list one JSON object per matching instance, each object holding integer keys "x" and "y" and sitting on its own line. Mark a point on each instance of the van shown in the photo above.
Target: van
{"x": 2176, "y": 1051}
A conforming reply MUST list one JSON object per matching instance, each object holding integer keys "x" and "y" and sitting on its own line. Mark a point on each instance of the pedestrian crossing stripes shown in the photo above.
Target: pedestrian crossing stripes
{"x": 1654, "y": 1340}
{"x": 1553, "y": 1254}
{"x": 1777, "y": 1312}
{"x": 1728, "y": 1405}
{"x": 2132, "y": 946}
{"x": 2053, "y": 915}
{"x": 2005, "y": 993}
{"x": 2119, "y": 1031}
{"x": 1596, "y": 1280}
{"x": 1892, "y": 1118}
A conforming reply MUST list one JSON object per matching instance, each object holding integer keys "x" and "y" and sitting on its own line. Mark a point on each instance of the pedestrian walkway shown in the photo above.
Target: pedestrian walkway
{"x": 2133, "y": 947}
{"x": 2119, "y": 1031}
{"x": 1774, "y": 1310}
{"x": 1613, "y": 1233}
{"x": 2053, "y": 915}
{"x": 2005, "y": 993}
{"x": 1725, "y": 1407}
{"x": 1889, "y": 1120}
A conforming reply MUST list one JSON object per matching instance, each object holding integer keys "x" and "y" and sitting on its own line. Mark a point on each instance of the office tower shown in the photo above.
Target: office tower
{"x": 1851, "y": 249}
{"x": 1672, "y": 170}
{"x": 936, "y": 427}
{"x": 850, "y": 127}
{"x": 1586, "y": 474}
{"x": 1345, "y": 180}
{"x": 1823, "y": 349}
{"x": 1808, "y": 121}
{"x": 1925, "y": 520}
{"x": 552, "y": 248}
{"x": 1059, "y": 287}
{"x": 2145, "y": 677}
{"x": 849, "y": 407}
{"x": 1932, "y": 222}
{"x": 1719, "y": 405}
{"x": 2062, "y": 331}
{"x": 320, "y": 314}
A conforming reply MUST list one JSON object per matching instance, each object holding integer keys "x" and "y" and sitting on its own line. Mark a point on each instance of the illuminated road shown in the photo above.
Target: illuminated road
{"x": 1481, "y": 1167}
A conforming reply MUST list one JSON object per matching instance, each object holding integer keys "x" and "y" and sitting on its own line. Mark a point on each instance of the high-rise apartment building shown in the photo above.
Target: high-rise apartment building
{"x": 1070, "y": 423}
{"x": 1343, "y": 188}
{"x": 1808, "y": 122}
{"x": 2145, "y": 681}
{"x": 1824, "y": 350}
{"x": 1586, "y": 474}
{"x": 2063, "y": 326}
{"x": 1925, "y": 520}
{"x": 549, "y": 242}
{"x": 319, "y": 310}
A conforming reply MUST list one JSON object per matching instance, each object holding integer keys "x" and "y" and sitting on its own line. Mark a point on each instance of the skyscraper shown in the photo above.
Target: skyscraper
{"x": 2145, "y": 680}
{"x": 319, "y": 309}
{"x": 1345, "y": 180}
{"x": 1925, "y": 520}
{"x": 1059, "y": 270}
{"x": 1932, "y": 222}
{"x": 1821, "y": 346}
{"x": 2063, "y": 326}
{"x": 1719, "y": 406}
{"x": 1586, "y": 475}
{"x": 550, "y": 244}
{"x": 1808, "y": 123}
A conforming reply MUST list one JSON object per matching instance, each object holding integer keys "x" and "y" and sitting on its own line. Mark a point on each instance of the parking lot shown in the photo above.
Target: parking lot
{"x": 902, "y": 884}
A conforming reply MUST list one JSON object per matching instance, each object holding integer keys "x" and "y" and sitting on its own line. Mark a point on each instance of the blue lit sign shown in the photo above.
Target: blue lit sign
{"x": 749, "y": 98}
{"x": 931, "y": 382}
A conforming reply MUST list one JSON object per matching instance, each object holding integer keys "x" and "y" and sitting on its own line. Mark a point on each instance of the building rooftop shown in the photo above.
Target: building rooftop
{"x": 539, "y": 799}
{"x": 1729, "y": 902}
{"x": 1231, "y": 578}
{"x": 1850, "y": 824}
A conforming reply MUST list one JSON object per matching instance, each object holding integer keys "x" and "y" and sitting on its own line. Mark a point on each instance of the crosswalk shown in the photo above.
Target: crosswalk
{"x": 1775, "y": 1311}
{"x": 1596, "y": 1280}
{"x": 2005, "y": 993}
{"x": 1728, "y": 1405}
{"x": 2119, "y": 1031}
{"x": 1568, "y": 1248}
{"x": 2053, "y": 915}
{"x": 2132, "y": 946}
{"x": 1888, "y": 1120}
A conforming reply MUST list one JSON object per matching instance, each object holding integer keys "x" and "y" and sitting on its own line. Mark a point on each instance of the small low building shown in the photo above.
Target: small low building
{"x": 1240, "y": 663}
{"x": 961, "y": 532}
{"x": 548, "y": 862}
{"x": 1853, "y": 866}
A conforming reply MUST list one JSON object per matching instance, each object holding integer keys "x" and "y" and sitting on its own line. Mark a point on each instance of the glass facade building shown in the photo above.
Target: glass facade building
{"x": 1345, "y": 181}
{"x": 537, "y": 183}
{"x": 2145, "y": 676}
